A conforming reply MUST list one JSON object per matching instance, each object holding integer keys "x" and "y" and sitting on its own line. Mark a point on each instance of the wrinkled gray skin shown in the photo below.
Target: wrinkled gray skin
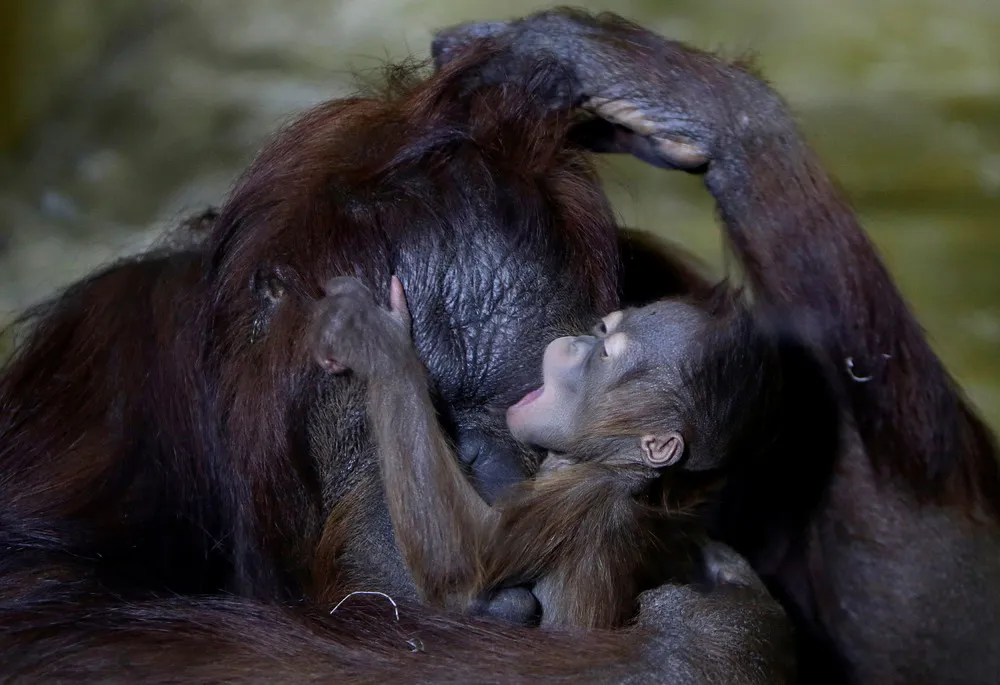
{"x": 897, "y": 589}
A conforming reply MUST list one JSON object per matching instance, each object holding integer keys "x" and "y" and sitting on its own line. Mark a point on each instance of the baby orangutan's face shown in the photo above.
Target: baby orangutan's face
{"x": 586, "y": 378}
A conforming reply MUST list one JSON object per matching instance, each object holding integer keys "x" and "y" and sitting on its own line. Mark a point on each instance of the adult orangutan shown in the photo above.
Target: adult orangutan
{"x": 185, "y": 496}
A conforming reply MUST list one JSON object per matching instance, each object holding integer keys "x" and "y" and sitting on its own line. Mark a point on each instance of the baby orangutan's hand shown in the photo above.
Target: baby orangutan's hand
{"x": 352, "y": 333}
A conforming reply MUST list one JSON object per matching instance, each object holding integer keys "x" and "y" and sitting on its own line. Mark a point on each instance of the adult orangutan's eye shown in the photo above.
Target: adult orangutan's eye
{"x": 270, "y": 286}
{"x": 274, "y": 288}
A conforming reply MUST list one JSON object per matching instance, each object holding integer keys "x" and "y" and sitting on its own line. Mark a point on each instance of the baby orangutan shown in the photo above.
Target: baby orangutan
{"x": 667, "y": 385}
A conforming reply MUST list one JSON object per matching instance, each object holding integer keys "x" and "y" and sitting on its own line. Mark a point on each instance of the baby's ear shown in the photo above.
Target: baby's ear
{"x": 662, "y": 450}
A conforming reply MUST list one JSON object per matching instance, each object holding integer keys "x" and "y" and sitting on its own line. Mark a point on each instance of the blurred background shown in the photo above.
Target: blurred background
{"x": 118, "y": 117}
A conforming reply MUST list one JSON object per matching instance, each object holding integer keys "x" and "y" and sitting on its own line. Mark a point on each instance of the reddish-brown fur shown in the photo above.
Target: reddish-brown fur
{"x": 596, "y": 542}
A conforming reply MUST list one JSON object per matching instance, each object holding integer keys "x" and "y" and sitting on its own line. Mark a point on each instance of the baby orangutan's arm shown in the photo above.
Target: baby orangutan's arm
{"x": 439, "y": 520}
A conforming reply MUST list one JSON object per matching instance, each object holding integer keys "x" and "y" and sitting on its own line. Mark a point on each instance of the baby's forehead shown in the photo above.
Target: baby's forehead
{"x": 661, "y": 320}
{"x": 662, "y": 332}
